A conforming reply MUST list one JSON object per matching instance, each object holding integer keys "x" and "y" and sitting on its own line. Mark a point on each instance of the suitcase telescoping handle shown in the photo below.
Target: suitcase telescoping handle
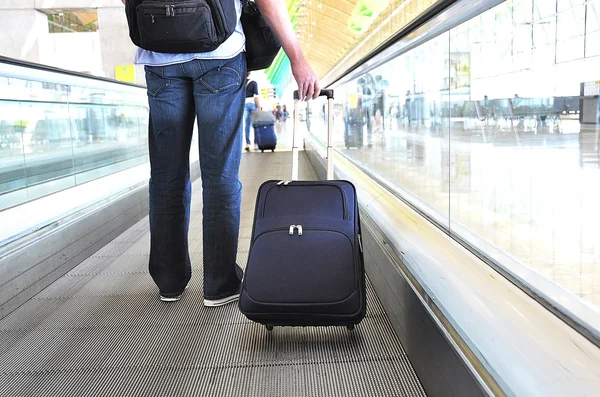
{"x": 295, "y": 151}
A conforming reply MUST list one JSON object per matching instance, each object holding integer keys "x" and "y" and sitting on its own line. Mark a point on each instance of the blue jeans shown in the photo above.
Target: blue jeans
{"x": 213, "y": 91}
{"x": 249, "y": 108}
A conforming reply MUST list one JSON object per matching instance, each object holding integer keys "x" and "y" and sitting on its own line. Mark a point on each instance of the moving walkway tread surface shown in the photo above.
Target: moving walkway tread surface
{"x": 102, "y": 331}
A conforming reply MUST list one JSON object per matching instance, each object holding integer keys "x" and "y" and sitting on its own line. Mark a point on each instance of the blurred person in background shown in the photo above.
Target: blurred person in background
{"x": 252, "y": 104}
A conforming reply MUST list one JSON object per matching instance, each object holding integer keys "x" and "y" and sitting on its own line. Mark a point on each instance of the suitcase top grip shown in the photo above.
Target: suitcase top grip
{"x": 327, "y": 93}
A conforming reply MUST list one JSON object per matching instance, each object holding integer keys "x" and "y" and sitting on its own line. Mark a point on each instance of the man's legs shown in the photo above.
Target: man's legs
{"x": 248, "y": 109}
{"x": 219, "y": 96}
{"x": 171, "y": 101}
{"x": 255, "y": 139}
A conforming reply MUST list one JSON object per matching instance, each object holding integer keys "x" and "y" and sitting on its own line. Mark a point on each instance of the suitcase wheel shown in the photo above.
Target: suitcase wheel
{"x": 272, "y": 150}
{"x": 262, "y": 151}
{"x": 269, "y": 327}
{"x": 349, "y": 326}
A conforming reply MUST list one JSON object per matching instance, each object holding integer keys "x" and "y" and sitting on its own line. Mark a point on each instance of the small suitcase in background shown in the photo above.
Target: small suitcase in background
{"x": 305, "y": 266}
{"x": 353, "y": 136}
{"x": 265, "y": 137}
{"x": 353, "y": 131}
{"x": 263, "y": 123}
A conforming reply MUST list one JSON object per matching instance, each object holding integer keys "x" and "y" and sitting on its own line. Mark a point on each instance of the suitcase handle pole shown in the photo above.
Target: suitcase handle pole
{"x": 295, "y": 151}
{"x": 330, "y": 138}
{"x": 294, "y": 144}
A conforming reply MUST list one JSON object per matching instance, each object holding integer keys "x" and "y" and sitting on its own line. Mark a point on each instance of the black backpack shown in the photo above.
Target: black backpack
{"x": 180, "y": 26}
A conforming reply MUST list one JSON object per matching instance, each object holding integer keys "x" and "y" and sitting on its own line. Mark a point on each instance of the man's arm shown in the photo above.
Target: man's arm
{"x": 275, "y": 13}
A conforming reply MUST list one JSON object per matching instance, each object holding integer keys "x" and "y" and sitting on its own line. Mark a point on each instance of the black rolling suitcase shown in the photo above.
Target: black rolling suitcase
{"x": 305, "y": 266}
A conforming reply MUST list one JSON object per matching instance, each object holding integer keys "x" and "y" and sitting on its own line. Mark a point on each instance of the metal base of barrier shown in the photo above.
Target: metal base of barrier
{"x": 441, "y": 371}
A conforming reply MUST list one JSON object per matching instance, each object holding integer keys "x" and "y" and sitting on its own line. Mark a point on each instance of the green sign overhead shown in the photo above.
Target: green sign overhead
{"x": 279, "y": 71}
{"x": 364, "y": 13}
{"x": 271, "y": 70}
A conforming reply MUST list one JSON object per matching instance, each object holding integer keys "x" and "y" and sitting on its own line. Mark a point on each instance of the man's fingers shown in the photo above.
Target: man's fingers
{"x": 305, "y": 91}
{"x": 317, "y": 90}
{"x": 310, "y": 91}
{"x": 301, "y": 91}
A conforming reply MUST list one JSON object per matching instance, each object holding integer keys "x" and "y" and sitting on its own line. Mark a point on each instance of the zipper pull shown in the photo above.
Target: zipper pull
{"x": 360, "y": 243}
{"x": 292, "y": 227}
{"x": 280, "y": 183}
{"x": 173, "y": 10}
{"x": 286, "y": 183}
{"x": 299, "y": 227}
{"x": 167, "y": 11}
{"x": 152, "y": 15}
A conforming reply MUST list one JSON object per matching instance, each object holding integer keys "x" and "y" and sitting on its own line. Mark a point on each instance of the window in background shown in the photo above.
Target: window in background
{"x": 570, "y": 40}
{"x": 592, "y": 26}
{"x": 72, "y": 22}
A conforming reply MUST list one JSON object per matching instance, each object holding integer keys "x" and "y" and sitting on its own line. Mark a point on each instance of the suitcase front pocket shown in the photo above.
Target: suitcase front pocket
{"x": 300, "y": 198}
{"x": 315, "y": 267}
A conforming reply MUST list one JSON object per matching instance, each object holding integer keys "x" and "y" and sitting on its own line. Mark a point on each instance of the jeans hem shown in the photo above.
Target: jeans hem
{"x": 171, "y": 294}
{"x": 221, "y": 296}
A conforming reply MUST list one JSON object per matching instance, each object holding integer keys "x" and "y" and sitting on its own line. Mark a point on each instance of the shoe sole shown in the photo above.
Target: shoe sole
{"x": 221, "y": 302}
{"x": 173, "y": 299}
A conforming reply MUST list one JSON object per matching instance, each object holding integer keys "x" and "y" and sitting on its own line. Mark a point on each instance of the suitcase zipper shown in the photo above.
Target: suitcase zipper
{"x": 287, "y": 182}
{"x": 300, "y": 229}
{"x": 292, "y": 228}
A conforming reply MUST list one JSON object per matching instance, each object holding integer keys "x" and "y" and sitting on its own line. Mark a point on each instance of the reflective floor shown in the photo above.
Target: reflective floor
{"x": 101, "y": 330}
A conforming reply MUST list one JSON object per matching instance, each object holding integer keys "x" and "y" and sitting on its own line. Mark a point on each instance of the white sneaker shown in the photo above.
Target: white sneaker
{"x": 222, "y": 301}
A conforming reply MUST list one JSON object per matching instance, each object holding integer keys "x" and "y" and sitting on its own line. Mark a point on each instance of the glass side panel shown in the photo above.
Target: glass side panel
{"x": 56, "y": 136}
{"x": 493, "y": 129}
{"x": 13, "y": 122}
{"x": 48, "y": 148}
{"x": 395, "y": 120}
